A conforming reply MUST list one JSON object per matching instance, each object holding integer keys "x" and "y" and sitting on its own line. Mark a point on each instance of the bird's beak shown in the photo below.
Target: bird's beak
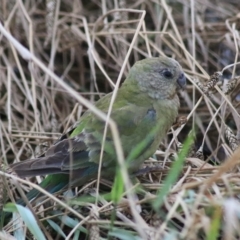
{"x": 182, "y": 81}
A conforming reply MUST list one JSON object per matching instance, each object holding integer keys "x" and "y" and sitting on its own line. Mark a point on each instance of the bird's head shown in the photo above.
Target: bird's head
{"x": 158, "y": 77}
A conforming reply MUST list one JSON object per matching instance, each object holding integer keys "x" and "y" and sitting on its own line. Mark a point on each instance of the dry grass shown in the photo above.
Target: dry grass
{"x": 78, "y": 50}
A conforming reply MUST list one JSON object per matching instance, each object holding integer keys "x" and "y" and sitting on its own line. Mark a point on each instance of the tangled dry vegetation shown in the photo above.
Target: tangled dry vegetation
{"x": 79, "y": 50}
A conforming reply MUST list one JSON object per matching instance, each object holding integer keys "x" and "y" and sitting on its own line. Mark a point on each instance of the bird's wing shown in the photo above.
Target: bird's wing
{"x": 81, "y": 150}
{"x": 133, "y": 122}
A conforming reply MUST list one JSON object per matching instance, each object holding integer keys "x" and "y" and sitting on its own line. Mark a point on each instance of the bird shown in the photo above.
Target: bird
{"x": 145, "y": 107}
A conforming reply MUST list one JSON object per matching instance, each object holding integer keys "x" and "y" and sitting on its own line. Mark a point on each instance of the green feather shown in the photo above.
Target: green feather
{"x": 145, "y": 107}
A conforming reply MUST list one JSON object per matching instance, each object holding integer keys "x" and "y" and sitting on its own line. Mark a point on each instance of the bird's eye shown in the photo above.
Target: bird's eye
{"x": 166, "y": 73}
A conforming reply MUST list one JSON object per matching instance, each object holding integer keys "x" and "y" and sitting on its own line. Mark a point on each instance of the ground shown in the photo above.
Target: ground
{"x": 77, "y": 50}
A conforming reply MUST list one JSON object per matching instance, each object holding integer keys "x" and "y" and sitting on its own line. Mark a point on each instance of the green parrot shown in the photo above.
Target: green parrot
{"x": 145, "y": 107}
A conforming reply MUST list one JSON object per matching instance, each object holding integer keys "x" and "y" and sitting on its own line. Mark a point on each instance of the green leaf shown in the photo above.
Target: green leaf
{"x": 56, "y": 227}
{"x": 213, "y": 232}
{"x": 28, "y": 219}
{"x": 118, "y": 188}
{"x": 123, "y": 234}
{"x": 76, "y": 235}
{"x": 10, "y": 207}
{"x": 173, "y": 173}
{"x": 72, "y": 223}
{"x": 88, "y": 199}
